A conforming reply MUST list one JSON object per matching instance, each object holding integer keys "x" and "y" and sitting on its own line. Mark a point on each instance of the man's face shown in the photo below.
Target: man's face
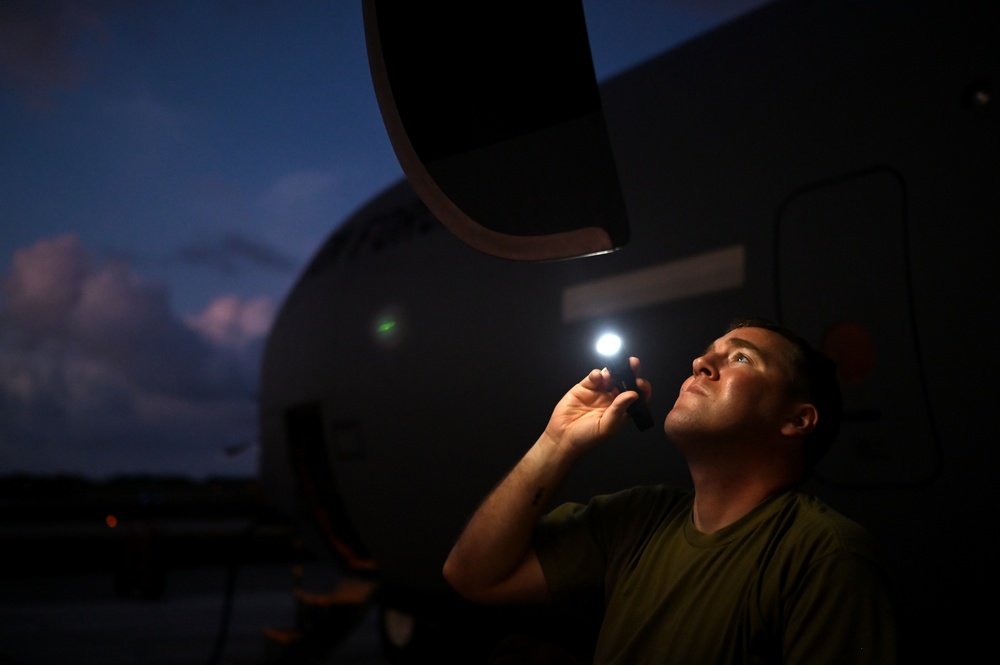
{"x": 738, "y": 388}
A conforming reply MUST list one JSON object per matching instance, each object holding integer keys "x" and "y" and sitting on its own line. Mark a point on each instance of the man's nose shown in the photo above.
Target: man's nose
{"x": 703, "y": 365}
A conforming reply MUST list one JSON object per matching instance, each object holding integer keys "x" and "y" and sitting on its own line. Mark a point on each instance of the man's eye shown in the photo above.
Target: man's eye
{"x": 741, "y": 358}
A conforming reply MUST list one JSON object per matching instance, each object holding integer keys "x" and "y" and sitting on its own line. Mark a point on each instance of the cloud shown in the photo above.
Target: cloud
{"x": 97, "y": 371}
{"x": 302, "y": 195}
{"x": 233, "y": 322}
{"x": 295, "y": 188}
{"x": 147, "y": 125}
{"x": 232, "y": 251}
{"x": 45, "y": 282}
{"x": 36, "y": 45}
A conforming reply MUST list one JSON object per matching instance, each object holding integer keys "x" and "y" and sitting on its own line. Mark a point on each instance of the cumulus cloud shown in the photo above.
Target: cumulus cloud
{"x": 45, "y": 283}
{"x": 96, "y": 370}
{"x": 231, "y": 321}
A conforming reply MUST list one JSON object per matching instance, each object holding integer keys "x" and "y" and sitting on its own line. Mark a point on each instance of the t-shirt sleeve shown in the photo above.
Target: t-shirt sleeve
{"x": 570, "y": 553}
{"x": 581, "y": 546}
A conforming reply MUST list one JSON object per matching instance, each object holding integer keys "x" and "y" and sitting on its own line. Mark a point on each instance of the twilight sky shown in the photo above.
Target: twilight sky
{"x": 166, "y": 171}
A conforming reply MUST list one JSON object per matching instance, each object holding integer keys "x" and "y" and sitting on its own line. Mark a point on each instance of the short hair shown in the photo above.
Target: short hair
{"x": 814, "y": 379}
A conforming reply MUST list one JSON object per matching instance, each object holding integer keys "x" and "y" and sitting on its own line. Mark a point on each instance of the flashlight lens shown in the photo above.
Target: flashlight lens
{"x": 609, "y": 344}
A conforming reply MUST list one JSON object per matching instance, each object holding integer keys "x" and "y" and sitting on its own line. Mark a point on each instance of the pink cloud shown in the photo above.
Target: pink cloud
{"x": 45, "y": 281}
{"x": 231, "y": 321}
{"x": 98, "y": 375}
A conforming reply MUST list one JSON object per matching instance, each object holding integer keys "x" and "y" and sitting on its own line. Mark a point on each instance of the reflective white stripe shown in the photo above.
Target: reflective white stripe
{"x": 713, "y": 271}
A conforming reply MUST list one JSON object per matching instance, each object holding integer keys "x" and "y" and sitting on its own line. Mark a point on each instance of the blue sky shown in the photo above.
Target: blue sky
{"x": 166, "y": 171}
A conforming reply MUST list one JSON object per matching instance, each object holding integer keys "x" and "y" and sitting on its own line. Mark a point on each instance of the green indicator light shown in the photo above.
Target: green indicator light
{"x": 388, "y": 327}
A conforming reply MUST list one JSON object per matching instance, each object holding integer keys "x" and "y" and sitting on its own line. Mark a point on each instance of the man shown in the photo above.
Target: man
{"x": 744, "y": 568}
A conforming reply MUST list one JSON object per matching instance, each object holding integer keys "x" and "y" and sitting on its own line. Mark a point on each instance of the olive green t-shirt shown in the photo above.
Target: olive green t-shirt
{"x": 792, "y": 582}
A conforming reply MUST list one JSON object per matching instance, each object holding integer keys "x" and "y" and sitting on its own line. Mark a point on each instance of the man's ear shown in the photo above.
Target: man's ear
{"x": 802, "y": 421}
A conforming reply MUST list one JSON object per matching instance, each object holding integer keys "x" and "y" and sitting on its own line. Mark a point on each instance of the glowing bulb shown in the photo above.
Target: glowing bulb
{"x": 609, "y": 344}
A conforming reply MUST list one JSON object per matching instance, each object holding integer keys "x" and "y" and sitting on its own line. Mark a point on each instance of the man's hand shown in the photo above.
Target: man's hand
{"x": 592, "y": 411}
{"x": 493, "y": 561}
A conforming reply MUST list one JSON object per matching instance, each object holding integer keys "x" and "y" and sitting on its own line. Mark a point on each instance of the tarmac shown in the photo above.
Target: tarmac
{"x": 82, "y": 619}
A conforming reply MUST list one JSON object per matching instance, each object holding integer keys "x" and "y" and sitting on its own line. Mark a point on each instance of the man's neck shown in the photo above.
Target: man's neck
{"x": 721, "y": 500}
{"x": 731, "y": 480}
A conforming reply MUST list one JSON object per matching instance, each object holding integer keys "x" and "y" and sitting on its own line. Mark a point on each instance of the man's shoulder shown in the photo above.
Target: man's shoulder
{"x": 817, "y": 522}
{"x": 639, "y": 505}
{"x": 646, "y": 496}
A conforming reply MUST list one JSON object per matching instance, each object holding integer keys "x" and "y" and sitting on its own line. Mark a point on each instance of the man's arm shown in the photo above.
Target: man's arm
{"x": 493, "y": 561}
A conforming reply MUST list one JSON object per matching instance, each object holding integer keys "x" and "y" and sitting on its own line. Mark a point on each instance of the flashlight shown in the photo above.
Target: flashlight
{"x": 610, "y": 346}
